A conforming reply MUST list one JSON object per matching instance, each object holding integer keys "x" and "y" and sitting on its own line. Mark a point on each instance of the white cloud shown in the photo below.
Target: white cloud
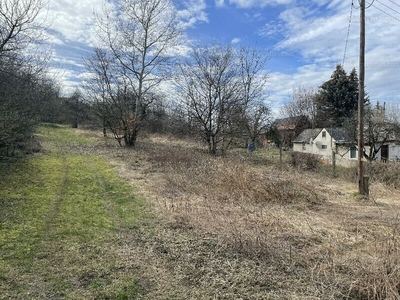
{"x": 281, "y": 85}
{"x": 73, "y": 20}
{"x": 69, "y": 80}
{"x": 314, "y": 30}
{"x": 220, "y": 3}
{"x": 72, "y": 33}
{"x": 235, "y": 40}
{"x": 273, "y": 28}
{"x": 258, "y": 3}
{"x": 193, "y": 13}
{"x": 71, "y": 61}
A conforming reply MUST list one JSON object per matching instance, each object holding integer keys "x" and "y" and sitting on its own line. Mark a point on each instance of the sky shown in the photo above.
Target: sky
{"x": 305, "y": 39}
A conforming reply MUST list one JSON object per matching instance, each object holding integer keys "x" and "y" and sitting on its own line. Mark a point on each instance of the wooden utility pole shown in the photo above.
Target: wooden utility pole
{"x": 360, "y": 169}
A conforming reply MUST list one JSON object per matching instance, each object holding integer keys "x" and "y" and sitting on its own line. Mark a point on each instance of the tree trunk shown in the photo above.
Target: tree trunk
{"x": 130, "y": 137}
{"x": 213, "y": 145}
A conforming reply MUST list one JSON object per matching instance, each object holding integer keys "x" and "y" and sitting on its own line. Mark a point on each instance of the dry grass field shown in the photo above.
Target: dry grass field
{"x": 240, "y": 227}
{"x": 234, "y": 227}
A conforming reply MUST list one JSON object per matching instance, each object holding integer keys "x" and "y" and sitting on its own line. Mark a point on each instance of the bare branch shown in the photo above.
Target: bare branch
{"x": 18, "y": 24}
{"x": 137, "y": 41}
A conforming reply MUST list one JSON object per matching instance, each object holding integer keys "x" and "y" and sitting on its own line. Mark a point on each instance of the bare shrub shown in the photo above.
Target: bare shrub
{"x": 243, "y": 183}
{"x": 370, "y": 275}
{"x": 231, "y": 196}
{"x": 229, "y": 181}
{"x": 387, "y": 173}
{"x": 304, "y": 161}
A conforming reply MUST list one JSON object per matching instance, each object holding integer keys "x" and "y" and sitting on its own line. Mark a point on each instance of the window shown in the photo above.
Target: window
{"x": 353, "y": 152}
{"x": 324, "y": 134}
{"x": 324, "y": 147}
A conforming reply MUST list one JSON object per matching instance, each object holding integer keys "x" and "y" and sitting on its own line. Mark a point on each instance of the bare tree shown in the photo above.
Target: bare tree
{"x": 75, "y": 100}
{"x": 302, "y": 103}
{"x": 223, "y": 90}
{"x": 210, "y": 91}
{"x": 258, "y": 120}
{"x": 393, "y": 112}
{"x": 108, "y": 90}
{"x": 24, "y": 100}
{"x": 139, "y": 42}
{"x": 24, "y": 89}
{"x": 378, "y": 130}
{"x": 253, "y": 80}
{"x": 18, "y": 24}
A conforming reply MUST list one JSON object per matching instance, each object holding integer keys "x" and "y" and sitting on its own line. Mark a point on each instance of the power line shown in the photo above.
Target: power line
{"x": 385, "y": 12}
{"x": 368, "y": 5}
{"x": 348, "y": 33}
{"x": 394, "y": 3}
{"x": 388, "y": 7}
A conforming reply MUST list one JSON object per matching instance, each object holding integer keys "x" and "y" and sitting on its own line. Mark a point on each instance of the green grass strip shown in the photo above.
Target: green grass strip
{"x": 59, "y": 221}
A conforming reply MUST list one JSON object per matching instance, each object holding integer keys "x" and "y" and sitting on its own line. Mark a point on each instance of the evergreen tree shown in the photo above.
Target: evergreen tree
{"x": 337, "y": 100}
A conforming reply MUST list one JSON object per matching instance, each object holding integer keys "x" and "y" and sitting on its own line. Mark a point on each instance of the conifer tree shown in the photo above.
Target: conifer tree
{"x": 337, "y": 99}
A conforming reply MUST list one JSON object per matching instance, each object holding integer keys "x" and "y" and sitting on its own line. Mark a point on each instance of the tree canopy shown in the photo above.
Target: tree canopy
{"x": 337, "y": 99}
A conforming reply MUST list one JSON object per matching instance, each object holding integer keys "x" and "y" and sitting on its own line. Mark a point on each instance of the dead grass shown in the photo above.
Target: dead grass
{"x": 239, "y": 227}
{"x": 387, "y": 173}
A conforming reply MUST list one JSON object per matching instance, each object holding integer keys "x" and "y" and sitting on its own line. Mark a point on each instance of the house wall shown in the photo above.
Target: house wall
{"x": 394, "y": 152}
{"x": 322, "y": 146}
{"x": 304, "y": 148}
{"x": 343, "y": 156}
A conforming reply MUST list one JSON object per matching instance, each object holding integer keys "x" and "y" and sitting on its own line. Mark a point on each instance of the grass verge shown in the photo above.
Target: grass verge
{"x": 61, "y": 215}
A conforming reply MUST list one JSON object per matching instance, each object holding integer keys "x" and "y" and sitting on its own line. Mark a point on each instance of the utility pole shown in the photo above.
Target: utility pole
{"x": 360, "y": 168}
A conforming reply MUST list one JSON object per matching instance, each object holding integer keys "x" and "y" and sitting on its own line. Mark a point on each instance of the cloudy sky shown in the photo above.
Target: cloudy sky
{"x": 305, "y": 39}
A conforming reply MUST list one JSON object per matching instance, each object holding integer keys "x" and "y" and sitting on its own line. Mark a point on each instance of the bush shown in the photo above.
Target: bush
{"x": 304, "y": 161}
{"x": 387, "y": 173}
{"x": 23, "y": 96}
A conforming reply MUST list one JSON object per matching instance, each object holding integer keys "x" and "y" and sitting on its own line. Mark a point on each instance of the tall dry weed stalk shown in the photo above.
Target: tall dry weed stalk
{"x": 387, "y": 173}
{"x": 289, "y": 222}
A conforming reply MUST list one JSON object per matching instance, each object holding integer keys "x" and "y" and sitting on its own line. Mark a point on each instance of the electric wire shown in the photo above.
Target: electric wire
{"x": 394, "y": 3}
{"x": 388, "y": 7}
{"x": 394, "y": 18}
{"x": 348, "y": 33}
{"x": 369, "y": 4}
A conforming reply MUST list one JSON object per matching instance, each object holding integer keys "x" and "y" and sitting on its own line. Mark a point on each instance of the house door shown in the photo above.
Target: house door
{"x": 384, "y": 152}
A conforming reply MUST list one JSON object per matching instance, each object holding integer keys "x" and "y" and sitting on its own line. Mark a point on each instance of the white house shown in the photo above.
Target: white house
{"x": 328, "y": 141}
{"x": 323, "y": 142}
{"x": 390, "y": 151}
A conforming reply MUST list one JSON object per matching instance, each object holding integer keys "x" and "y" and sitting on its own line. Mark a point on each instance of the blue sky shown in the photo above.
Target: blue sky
{"x": 304, "y": 38}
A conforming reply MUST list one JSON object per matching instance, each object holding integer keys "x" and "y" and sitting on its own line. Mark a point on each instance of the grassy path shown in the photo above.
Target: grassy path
{"x": 61, "y": 213}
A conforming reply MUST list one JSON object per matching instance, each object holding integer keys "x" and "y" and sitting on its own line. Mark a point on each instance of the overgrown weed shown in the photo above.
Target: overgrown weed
{"x": 296, "y": 225}
{"x": 385, "y": 172}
